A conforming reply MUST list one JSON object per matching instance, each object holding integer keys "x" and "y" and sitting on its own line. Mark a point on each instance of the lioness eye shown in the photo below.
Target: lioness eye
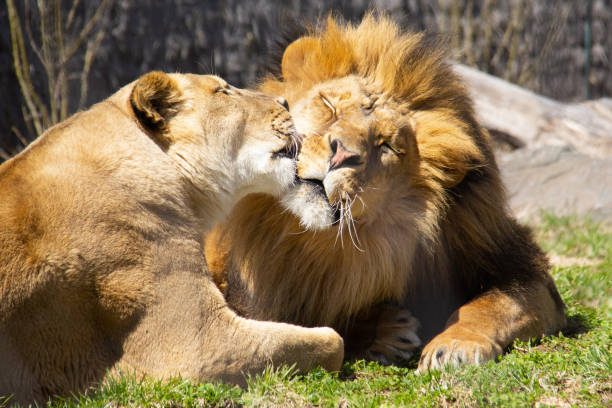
{"x": 222, "y": 90}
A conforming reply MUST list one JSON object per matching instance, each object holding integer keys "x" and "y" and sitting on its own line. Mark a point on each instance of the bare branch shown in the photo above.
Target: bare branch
{"x": 28, "y": 28}
{"x": 45, "y": 34}
{"x": 455, "y": 23}
{"x": 503, "y": 45}
{"x": 20, "y": 63}
{"x": 488, "y": 34}
{"x": 53, "y": 50}
{"x": 17, "y": 133}
{"x": 90, "y": 53}
{"x": 468, "y": 45}
{"x": 70, "y": 17}
{"x": 4, "y": 155}
{"x": 88, "y": 27}
{"x": 62, "y": 82}
{"x": 28, "y": 122}
{"x": 517, "y": 22}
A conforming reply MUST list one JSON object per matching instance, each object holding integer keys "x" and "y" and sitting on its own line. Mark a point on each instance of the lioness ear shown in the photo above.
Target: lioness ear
{"x": 295, "y": 56}
{"x": 155, "y": 99}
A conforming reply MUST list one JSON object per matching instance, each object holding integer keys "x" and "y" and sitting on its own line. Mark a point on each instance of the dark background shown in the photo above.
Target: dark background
{"x": 539, "y": 44}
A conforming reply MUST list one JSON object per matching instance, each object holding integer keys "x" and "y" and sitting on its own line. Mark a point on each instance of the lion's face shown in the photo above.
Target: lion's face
{"x": 244, "y": 140}
{"x": 357, "y": 152}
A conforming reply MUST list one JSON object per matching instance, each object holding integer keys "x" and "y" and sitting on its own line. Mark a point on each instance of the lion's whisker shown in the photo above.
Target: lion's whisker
{"x": 341, "y": 226}
{"x": 363, "y": 204}
{"x": 296, "y": 149}
{"x": 355, "y": 230}
{"x": 351, "y": 225}
{"x": 335, "y": 207}
{"x": 342, "y": 222}
{"x": 356, "y": 238}
{"x": 298, "y": 232}
{"x": 338, "y": 221}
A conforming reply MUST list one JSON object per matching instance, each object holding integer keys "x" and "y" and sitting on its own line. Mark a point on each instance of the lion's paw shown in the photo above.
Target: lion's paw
{"x": 396, "y": 337}
{"x": 456, "y": 347}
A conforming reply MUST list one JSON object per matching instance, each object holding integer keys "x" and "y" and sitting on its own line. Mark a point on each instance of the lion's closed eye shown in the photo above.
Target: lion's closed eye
{"x": 386, "y": 147}
{"x": 329, "y": 105}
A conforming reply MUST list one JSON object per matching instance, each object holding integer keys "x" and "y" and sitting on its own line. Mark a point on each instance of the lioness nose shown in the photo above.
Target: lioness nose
{"x": 283, "y": 102}
{"x": 341, "y": 156}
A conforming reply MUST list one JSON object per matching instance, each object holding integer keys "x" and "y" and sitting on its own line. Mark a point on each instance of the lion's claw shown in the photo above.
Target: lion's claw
{"x": 451, "y": 348}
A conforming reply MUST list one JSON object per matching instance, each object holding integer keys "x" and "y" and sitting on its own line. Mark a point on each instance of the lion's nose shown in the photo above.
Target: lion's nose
{"x": 282, "y": 102}
{"x": 341, "y": 156}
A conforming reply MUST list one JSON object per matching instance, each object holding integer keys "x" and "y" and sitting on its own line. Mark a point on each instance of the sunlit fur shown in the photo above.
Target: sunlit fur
{"x": 429, "y": 230}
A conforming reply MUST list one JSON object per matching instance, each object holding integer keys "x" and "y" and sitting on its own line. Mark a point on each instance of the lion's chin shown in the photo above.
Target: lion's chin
{"x": 311, "y": 207}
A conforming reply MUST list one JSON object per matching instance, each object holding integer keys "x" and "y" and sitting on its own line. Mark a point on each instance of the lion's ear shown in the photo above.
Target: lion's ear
{"x": 294, "y": 57}
{"x": 155, "y": 99}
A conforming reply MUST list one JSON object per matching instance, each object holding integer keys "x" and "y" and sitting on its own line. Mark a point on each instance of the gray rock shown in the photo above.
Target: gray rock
{"x": 559, "y": 179}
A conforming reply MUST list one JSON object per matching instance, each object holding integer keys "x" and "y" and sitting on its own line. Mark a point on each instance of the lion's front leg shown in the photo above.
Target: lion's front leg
{"x": 481, "y": 329}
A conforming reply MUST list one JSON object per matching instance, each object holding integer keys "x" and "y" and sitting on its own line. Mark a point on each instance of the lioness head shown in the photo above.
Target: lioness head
{"x": 224, "y": 139}
{"x": 385, "y": 126}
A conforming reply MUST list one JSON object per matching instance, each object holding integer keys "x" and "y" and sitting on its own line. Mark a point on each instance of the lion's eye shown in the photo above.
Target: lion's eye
{"x": 368, "y": 104}
{"x": 222, "y": 90}
{"x": 328, "y": 104}
{"x": 386, "y": 148}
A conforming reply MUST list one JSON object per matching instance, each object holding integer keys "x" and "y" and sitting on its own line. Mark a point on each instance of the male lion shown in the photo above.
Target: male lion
{"x": 101, "y": 234}
{"x": 400, "y": 208}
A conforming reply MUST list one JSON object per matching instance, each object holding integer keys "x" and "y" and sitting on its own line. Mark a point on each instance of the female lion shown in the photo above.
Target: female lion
{"x": 101, "y": 233}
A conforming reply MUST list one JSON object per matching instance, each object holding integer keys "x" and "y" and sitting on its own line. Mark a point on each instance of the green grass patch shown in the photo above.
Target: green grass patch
{"x": 574, "y": 237}
{"x": 566, "y": 370}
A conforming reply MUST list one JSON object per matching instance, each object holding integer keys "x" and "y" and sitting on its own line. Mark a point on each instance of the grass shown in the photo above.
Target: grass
{"x": 564, "y": 371}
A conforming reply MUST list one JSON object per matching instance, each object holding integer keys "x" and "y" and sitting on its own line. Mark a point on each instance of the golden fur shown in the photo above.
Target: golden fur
{"x": 101, "y": 233}
{"x": 400, "y": 208}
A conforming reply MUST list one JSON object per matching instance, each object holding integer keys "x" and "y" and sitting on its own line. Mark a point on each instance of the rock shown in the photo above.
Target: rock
{"x": 559, "y": 179}
{"x": 553, "y": 156}
{"x": 536, "y": 120}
